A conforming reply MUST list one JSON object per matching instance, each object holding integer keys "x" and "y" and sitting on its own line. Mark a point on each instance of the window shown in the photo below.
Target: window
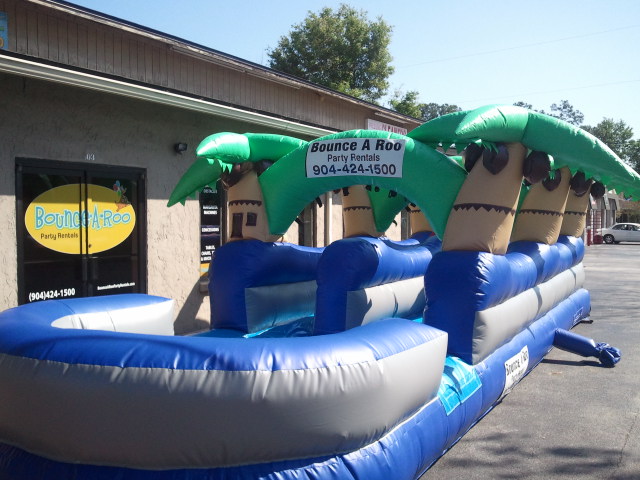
{"x": 252, "y": 219}
{"x": 236, "y": 225}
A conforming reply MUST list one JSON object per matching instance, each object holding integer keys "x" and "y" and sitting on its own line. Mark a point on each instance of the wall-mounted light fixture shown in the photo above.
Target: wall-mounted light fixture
{"x": 180, "y": 147}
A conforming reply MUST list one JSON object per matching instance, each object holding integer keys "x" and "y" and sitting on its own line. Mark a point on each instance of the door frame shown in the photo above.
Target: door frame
{"x": 82, "y": 170}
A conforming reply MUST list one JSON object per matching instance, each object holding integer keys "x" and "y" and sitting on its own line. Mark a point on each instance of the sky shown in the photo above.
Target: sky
{"x": 468, "y": 53}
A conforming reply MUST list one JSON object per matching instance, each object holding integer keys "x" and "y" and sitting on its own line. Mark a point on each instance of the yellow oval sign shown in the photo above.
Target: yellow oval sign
{"x": 60, "y": 219}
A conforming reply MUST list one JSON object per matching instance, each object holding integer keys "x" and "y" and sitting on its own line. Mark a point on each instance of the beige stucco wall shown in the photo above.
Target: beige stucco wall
{"x": 58, "y": 123}
{"x": 337, "y": 229}
{"x": 8, "y": 259}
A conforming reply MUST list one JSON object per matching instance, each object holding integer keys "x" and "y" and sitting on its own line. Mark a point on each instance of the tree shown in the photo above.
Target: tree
{"x": 563, "y": 111}
{"x": 566, "y": 112}
{"x": 619, "y": 137}
{"x": 434, "y": 110}
{"x": 408, "y": 104}
{"x": 525, "y": 105}
{"x": 632, "y": 153}
{"x": 341, "y": 50}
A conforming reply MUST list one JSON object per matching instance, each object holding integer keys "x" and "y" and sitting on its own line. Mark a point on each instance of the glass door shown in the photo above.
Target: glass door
{"x": 80, "y": 230}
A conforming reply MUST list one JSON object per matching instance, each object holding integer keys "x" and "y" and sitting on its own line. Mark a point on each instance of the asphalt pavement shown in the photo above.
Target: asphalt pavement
{"x": 570, "y": 418}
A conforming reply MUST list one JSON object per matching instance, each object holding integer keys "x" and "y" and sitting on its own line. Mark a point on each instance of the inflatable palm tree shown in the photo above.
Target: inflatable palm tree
{"x": 237, "y": 160}
{"x": 268, "y": 184}
{"x": 505, "y": 144}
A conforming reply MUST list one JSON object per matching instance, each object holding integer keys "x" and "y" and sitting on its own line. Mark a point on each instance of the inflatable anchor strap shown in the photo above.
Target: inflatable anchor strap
{"x": 586, "y": 347}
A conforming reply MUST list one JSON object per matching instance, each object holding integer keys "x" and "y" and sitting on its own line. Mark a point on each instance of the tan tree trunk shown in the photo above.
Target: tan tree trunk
{"x": 484, "y": 211}
{"x": 418, "y": 222}
{"x": 575, "y": 215}
{"x": 540, "y": 216}
{"x": 357, "y": 214}
{"x": 247, "y": 217}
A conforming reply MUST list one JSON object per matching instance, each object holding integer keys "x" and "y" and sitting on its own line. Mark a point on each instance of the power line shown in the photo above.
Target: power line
{"x": 547, "y": 42}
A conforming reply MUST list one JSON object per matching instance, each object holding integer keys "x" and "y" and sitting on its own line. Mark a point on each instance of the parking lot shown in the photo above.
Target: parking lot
{"x": 570, "y": 418}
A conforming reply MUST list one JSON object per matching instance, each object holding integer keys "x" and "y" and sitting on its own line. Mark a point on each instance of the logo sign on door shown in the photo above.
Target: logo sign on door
{"x": 55, "y": 220}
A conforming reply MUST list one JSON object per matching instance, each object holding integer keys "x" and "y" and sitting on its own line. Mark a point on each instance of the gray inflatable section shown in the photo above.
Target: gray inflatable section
{"x": 158, "y": 418}
{"x": 273, "y": 305}
{"x": 403, "y": 298}
{"x": 497, "y": 325}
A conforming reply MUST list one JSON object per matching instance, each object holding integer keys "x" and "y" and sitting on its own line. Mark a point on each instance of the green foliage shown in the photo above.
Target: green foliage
{"x": 341, "y": 50}
{"x": 563, "y": 111}
{"x": 408, "y": 104}
{"x": 434, "y": 110}
{"x": 632, "y": 154}
{"x": 566, "y": 112}
{"x": 526, "y": 105}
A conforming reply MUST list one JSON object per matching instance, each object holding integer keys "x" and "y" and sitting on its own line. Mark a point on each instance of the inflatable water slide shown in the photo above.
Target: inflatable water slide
{"x": 365, "y": 359}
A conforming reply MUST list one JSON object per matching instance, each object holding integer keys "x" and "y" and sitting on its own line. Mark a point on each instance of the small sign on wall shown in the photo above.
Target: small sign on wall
{"x": 55, "y": 218}
{"x": 4, "y": 31}
{"x": 385, "y": 127}
{"x": 210, "y": 234}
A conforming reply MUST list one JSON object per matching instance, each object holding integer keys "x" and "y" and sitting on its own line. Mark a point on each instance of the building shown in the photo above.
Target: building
{"x": 109, "y": 113}
{"x": 603, "y": 213}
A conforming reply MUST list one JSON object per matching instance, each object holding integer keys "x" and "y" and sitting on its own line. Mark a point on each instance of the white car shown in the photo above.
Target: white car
{"x": 621, "y": 232}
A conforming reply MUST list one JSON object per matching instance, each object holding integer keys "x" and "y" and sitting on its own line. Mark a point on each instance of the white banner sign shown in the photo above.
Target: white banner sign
{"x": 515, "y": 368}
{"x": 385, "y": 127}
{"x": 373, "y": 157}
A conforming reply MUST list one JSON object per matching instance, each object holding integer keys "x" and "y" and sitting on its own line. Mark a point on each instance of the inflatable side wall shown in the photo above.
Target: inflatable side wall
{"x": 403, "y": 452}
{"x": 246, "y": 406}
{"x": 362, "y": 279}
{"x": 483, "y": 300}
{"x": 255, "y": 285}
